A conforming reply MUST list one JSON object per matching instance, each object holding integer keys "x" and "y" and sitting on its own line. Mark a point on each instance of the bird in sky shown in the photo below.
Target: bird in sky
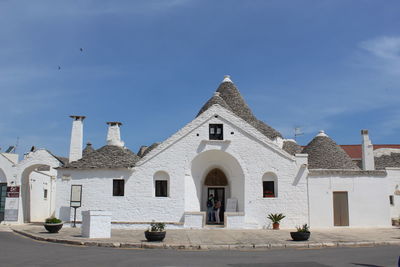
{"x": 81, "y": 49}
{"x": 59, "y": 67}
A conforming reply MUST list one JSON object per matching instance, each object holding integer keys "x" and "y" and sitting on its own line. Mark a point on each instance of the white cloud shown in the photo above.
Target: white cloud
{"x": 383, "y": 47}
{"x": 382, "y": 53}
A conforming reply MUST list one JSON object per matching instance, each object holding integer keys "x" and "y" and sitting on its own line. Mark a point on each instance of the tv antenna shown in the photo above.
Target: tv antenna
{"x": 297, "y": 132}
{"x": 16, "y": 144}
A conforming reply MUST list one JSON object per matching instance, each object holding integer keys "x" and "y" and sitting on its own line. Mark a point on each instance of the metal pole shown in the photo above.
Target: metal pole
{"x": 74, "y": 217}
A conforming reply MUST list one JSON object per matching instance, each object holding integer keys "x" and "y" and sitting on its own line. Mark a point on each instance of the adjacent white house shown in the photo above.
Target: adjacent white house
{"x": 225, "y": 152}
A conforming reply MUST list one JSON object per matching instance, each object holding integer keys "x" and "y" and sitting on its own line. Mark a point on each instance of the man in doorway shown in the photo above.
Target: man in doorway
{"x": 210, "y": 208}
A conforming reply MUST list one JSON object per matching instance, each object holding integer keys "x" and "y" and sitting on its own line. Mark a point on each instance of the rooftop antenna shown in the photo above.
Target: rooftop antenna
{"x": 16, "y": 145}
{"x": 297, "y": 132}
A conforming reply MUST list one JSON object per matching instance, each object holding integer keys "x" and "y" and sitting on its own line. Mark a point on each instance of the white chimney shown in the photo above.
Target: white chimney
{"x": 76, "y": 146}
{"x": 368, "y": 162}
{"x": 113, "y": 134}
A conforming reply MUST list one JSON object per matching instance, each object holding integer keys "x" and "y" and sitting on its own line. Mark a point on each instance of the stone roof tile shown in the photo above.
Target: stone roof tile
{"x": 106, "y": 157}
{"x": 232, "y": 97}
{"x": 387, "y": 161}
{"x": 324, "y": 153}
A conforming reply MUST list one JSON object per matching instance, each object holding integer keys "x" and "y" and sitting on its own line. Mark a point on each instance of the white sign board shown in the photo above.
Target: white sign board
{"x": 231, "y": 205}
{"x": 11, "y": 209}
{"x": 76, "y": 195}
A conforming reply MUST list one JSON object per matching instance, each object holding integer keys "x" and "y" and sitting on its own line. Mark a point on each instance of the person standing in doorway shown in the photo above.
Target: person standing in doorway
{"x": 217, "y": 208}
{"x": 210, "y": 208}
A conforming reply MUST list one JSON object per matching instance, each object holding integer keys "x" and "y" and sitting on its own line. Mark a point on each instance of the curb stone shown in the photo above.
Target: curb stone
{"x": 161, "y": 245}
{"x": 131, "y": 245}
{"x": 315, "y": 245}
{"x": 329, "y": 244}
{"x": 296, "y": 245}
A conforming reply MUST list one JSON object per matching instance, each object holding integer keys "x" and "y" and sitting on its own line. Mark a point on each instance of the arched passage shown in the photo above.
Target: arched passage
{"x": 214, "y": 169}
{"x": 37, "y": 179}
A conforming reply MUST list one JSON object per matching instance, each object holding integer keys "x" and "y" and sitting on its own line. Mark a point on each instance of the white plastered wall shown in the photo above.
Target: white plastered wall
{"x": 394, "y": 190}
{"x": 33, "y": 183}
{"x": 186, "y": 157}
{"x": 368, "y": 201}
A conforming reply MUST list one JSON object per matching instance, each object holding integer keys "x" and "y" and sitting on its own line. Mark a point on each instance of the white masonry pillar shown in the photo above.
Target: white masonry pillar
{"x": 368, "y": 162}
{"x": 76, "y": 146}
{"x": 113, "y": 134}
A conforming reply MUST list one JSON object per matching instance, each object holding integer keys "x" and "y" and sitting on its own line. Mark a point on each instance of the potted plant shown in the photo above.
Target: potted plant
{"x": 302, "y": 234}
{"x": 156, "y": 232}
{"x": 276, "y": 218}
{"x": 53, "y": 225}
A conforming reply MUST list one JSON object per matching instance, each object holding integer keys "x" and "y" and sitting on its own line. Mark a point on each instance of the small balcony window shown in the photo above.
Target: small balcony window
{"x": 216, "y": 132}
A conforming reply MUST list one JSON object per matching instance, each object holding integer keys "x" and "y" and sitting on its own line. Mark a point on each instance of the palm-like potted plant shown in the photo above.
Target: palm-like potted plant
{"x": 303, "y": 233}
{"x": 156, "y": 232}
{"x": 276, "y": 218}
{"x": 53, "y": 224}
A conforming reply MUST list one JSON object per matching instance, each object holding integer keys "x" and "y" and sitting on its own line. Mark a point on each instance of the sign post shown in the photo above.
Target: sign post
{"x": 76, "y": 199}
{"x": 12, "y": 203}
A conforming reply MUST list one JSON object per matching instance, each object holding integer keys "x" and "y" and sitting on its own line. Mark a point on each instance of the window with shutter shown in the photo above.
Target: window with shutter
{"x": 216, "y": 132}
{"x": 118, "y": 187}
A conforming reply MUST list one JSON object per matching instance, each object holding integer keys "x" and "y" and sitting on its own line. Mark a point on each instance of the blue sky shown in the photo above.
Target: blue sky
{"x": 152, "y": 64}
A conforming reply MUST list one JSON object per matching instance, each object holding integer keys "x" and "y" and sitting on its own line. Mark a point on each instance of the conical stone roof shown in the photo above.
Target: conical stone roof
{"x": 216, "y": 99}
{"x": 232, "y": 97}
{"x": 106, "y": 157}
{"x": 324, "y": 153}
{"x": 150, "y": 148}
{"x": 87, "y": 150}
{"x": 387, "y": 161}
{"x": 291, "y": 147}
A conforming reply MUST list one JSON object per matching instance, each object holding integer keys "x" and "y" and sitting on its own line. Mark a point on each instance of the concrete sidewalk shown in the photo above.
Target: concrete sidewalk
{"x": 206, "y": 239}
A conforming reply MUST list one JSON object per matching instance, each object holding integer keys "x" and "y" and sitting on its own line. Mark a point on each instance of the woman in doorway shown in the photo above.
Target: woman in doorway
{"x": 217, "y": 208}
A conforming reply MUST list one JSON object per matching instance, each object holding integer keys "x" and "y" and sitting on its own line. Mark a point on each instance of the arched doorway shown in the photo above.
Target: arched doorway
{"x": 214, "y": 168}
{"x": 36, "y": 174}
{"x": 216, "y": 184}
{"x": 36, "y": 186}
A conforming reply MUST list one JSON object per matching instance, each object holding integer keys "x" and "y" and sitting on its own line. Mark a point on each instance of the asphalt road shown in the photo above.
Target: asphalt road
{"x": 16, "y": 250}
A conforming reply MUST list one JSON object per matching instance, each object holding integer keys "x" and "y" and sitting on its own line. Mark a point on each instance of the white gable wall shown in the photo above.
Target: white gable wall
{"x": 186, "y": 157}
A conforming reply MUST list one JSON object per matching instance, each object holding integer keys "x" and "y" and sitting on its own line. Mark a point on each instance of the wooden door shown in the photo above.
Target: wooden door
{"x": 340, "y": 209}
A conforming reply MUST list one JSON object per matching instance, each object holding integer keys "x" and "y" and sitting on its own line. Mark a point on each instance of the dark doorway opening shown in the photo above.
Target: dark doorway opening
{"x": 3, "y": 193}
{"x": 219, "y": 195}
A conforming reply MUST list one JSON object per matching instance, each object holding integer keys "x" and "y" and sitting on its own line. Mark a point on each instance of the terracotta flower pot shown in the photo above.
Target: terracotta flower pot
{"x": 275, "y": 226}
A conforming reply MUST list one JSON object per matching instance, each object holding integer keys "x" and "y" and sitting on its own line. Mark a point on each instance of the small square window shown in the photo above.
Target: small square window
{"x": 118, "y": 187}
{"x": 161, "y": 188}
{"x": 268, "y": 189}
{"x": 391, "y": 200}
{"x": 216, "y": 132}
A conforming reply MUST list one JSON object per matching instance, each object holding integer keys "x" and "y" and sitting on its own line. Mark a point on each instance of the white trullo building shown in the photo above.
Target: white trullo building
{"x": 247, "y": 165}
